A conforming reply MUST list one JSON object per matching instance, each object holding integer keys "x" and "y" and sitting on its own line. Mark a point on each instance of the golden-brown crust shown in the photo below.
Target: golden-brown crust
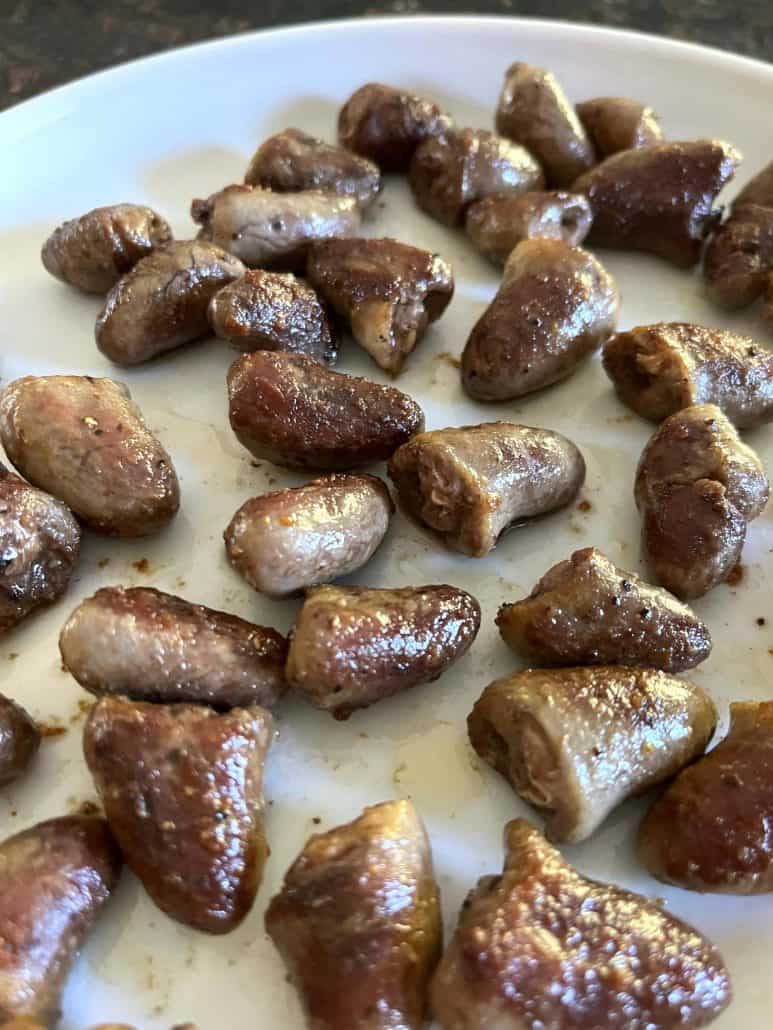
{"x": 360, "y": 907}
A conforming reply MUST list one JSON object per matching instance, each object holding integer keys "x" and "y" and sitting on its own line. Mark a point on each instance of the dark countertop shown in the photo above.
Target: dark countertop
{"x": 44, "y": 43}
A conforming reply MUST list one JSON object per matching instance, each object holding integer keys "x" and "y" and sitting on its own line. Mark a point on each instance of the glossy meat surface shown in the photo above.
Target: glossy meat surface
{"x": 290, "y": 540}
{"x": 182, "y": 789}
{"x": 449, "y": 174}
{"x": 55, "y": 879}
{"x": 294, "y": 412}
{"x": 273, "y": 311}
{"x": 85, "y": 441}
{"x": 710, "y": 830}
{"x": 93, "y": 252}
{"x": 577, "y": 742}
{"x": 543, "y": 947}
{"x": 39, "y": 546}
{"x": 386, "y": 125}
{"x": 19, "y": 740}
{"x": 738, "y": 261}
{"x": 618, "y": 123}
{"x": 152, "y": 646}
{"x": 353, "y": 646}
{"x": 162, "y": 302}
{"x": 659, "y": 369}
{"x": 534, "y": 111}
{"x": 557, "y": 304}
{"x": 265, "y": 229}
{"x": 360, "y": 907}
{"x": 697, "y": 486}
{"x": 658, "y": 198}
{"x": 472, "y": 483}
{"x": 587, "y": 611}
{"x": 388, "y": 292}
{"x": 291, "y": 161}
{"x": 500, "y": 222}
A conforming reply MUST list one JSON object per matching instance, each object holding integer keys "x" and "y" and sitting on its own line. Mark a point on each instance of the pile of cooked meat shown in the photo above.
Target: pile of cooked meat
{"x": 181, "y": 726}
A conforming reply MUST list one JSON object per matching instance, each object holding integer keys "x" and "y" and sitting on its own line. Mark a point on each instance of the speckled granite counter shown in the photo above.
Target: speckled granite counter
{"x": 43, "y": 44}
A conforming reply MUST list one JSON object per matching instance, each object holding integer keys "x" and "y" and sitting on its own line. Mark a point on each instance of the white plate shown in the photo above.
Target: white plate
{"x": 182, "y": 125}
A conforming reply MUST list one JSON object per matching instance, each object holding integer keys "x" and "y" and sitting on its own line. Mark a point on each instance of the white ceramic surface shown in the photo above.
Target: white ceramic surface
{"x": 182, "y": 125}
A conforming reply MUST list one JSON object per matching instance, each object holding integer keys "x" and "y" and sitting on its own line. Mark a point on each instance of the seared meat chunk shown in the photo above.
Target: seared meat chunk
{"x": 353, "y": 646}
{"x": 557, "y": 304}
{"x": 534, "y": 111}
{"x": 577, "y": 742}
{"x": 183, "y": 792}
{"x": 449, "y": 174}
{"x": 659, "y": 198}
{"x": 55, "y": 879}
{"x": 659, "y": 369}
{"x": 360, "y": 907}
{"x": 738, "y": 261}
{"x": 290, "y": 540}
{"x": 93, "y": 252}
{"x": 162, "y": 302}
{"x": 274, "y": 230}
{"x": 709, "y": 831}
{"x": 19, "y": 740}
{"x": 292, "y": 161}
{"x": 586, "y": 611}
{"x": 617, "y": 123}
{"x": 39, "y": 545}
{"x": 542, "y": 946}
{"x": 273, "y": 311}
{"x": 497, "y": 224}
{"x": 294, "y": 412}
{"x": 387, "y": 291}
{"x": 697, "y": 487}
{"x": 386, "y": 125}
{"x": 152, "y": 646}
{"x": 85, "y": 441}
{"x": 473, "y": 483}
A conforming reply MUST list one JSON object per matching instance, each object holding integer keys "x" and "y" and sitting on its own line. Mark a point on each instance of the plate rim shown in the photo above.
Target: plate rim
{"x": 329, "y": 26}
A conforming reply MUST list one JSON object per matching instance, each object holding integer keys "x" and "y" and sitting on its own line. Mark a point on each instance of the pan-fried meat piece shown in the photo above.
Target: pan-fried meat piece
{"x": 534, "y": 111}
{"x": 497, "y": 224}
{"x": 291, "y": 161}
{"x": 39, "y": 545}
{"x": 292, "y": 411}
{"x": 659, "y": 369}
{"x": 152, "y": 646}
{"x": 586, "y": 611}
{"x": 543, "y": 946}
{"x": 618, "y": 123}
{"x": 710, "y": 831}
{"x": 387, "y": 291}
{"x": 93, "y": 252}
{"x": 697, "y": 486}
{"x": 659, "y": 198}
{"x": 473, "y": 483}
{"x": 265, "y": 229}
{"x": 162, "y": 302}
{"x": 449, "y": 174}
{"x": 557, "y": 304}
{"x": 360, "y": 907}
{"x": 738, "y": 261}
{"x": 183, "y": 792}
{"x": 55, "y": 879}
{"x": 290, "y": 540}
{"x": 577, "y": 742}
{"x": 387, "y": 124}
{"x": 19, "y": 740}
{"x": 353, "y": 646}
{"x": 85, "y": 441}
{"x": 273, "y": 311}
